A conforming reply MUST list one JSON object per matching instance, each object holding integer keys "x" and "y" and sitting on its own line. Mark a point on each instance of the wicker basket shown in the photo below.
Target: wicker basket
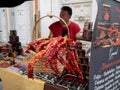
{"x": 40, "y": 64}
{"x": 40, "y": 67}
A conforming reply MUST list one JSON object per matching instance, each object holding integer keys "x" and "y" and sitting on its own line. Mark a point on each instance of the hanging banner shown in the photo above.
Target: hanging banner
{"x": 105, "y": 50}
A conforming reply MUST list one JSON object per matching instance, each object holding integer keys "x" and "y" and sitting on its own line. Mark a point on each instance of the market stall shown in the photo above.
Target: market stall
{"x": 62, "y": 64}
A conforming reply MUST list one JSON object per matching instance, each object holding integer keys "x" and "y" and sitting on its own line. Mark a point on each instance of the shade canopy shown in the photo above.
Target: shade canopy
{"x": 11, "y": 3}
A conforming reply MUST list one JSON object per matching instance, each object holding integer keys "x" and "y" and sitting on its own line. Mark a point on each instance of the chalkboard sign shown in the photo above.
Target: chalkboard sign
{"x": 105, "y": 50}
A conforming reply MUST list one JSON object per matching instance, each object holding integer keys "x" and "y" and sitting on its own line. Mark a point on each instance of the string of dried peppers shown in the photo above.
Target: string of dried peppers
{"x": 53, "y": 50}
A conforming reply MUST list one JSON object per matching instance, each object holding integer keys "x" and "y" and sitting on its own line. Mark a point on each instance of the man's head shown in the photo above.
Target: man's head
{"x": 66, "y": 13}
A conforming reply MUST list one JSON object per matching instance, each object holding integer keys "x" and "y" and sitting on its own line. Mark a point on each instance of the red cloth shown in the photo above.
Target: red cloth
{"x": 56, "y": 28}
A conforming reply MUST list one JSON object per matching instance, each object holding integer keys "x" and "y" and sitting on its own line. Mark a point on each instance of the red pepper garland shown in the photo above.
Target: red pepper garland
{"x": 53, "y": 50}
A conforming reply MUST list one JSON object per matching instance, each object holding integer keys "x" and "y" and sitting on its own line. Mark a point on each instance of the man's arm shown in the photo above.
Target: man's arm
{"x": 77, "y": 36}
{"x": 51, "y": 35}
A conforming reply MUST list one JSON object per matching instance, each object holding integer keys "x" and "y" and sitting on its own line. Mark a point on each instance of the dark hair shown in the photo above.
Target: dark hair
{"x": 68, "y": 9}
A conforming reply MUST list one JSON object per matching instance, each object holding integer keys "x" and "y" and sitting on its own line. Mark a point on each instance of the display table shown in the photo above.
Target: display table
{"x": 14, "y": 81}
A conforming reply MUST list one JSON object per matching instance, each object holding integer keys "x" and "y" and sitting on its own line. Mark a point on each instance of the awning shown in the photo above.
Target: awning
{"x": 11, "y": 3}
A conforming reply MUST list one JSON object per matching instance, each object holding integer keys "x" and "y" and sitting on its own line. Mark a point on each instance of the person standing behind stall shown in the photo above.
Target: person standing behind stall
{"x": 58, "y": 28}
